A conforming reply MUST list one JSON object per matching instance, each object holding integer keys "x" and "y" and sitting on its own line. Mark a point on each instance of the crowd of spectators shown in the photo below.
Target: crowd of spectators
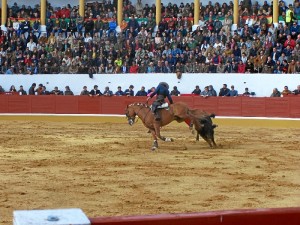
{"x": 73, "y": 45}
{"x": 208, "y": 91}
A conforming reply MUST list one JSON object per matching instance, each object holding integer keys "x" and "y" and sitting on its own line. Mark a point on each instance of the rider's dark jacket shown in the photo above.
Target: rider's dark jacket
{"x": 162, "y": 91}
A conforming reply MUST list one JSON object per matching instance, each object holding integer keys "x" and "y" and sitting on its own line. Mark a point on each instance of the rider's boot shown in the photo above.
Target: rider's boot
{"x": 157, "y": 116}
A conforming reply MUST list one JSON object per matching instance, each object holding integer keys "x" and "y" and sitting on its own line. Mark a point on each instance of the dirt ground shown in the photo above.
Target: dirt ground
{"x": 105, "y": 167}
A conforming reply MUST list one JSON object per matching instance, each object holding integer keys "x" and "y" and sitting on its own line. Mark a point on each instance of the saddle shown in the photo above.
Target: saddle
{"x": 163, "y": 106}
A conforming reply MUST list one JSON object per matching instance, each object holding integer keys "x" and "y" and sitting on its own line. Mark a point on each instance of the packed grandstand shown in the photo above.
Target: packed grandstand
{"x": 93, "y": 44}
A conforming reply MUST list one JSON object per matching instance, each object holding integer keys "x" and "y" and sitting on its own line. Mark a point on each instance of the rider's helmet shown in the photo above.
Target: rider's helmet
{"x": 164, "y": 84}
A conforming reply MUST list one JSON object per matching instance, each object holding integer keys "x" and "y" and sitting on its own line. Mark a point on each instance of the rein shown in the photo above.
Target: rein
{"x": 143, "y": 106}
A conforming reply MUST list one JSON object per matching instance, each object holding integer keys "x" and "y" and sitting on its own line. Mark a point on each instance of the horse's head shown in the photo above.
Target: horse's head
{"x": 130, "y": 114}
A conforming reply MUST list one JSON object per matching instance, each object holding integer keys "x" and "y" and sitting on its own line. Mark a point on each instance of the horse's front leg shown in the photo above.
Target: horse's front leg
{"x": 155, "y": 143}
{"x": 157, "y": 131}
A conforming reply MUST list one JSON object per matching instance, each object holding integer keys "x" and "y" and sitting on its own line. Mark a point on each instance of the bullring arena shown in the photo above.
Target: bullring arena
{"x": 106, "y": 168}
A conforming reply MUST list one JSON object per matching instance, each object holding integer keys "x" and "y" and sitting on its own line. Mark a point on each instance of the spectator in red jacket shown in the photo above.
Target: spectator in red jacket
{"x": 134, "y": 68}
{"x": 290, "y": 42}
{"x": 241, "y": 67}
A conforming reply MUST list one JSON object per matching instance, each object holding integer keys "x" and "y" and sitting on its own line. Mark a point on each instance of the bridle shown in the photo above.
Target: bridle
{"x": 131, "y": 119}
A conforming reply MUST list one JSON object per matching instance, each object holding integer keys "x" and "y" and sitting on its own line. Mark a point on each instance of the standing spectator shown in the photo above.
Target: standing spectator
{"x": 289, "y": 16}
{"x": 224, "y": 91}
{"x": 68, "y": 91}
{"x": 119, "y": 92}
{"x": 175, "y": 91}
{"x": 232, "y": 92}
{"x": 36, "y": 28}
{"x": 89, "y": 26}
{"x": 129, "y": 91}
{"x": 49, "y": 27}
{"x": 275, "y": 93}
{"x": 80, "y": 23}
{"x": 112, "y": 25}
{"x": 95, "y": 91}
{"x": 141, "y": 92}
{"x": 21, "y": 91}
{"x": 25, "y": 26}
{"x": 63, "y": 27}
{"x": 84, "y": 91}
{"x": 32, "y": 89}
{"x": 197, "y": 90}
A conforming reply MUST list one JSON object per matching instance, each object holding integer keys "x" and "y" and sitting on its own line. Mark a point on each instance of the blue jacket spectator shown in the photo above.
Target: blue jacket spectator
{"x": 232, "y": 92}
{"x": 129, "y": 91}
{"x": 119, "y": 92}
{"x": 141, "y": 92}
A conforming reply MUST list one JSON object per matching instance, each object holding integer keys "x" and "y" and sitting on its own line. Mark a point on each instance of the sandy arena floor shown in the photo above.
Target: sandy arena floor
{"x": 106, "y": 167}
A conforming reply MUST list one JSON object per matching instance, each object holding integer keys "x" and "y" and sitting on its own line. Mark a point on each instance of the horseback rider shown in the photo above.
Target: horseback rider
{"x": 161, "y": 92}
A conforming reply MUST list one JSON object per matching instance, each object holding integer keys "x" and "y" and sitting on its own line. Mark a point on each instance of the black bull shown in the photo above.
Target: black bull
{"x": 204, "y": 126}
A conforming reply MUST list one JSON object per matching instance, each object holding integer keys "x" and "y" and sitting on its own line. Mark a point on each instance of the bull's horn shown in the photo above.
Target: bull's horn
{"x": 214, "y": 125}
{"x": 212, "y": 115}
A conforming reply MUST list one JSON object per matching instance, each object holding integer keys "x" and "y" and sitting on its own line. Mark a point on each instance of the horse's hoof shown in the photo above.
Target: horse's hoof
{"x": 153, "y": 148}
{"x": 169, "y": 139}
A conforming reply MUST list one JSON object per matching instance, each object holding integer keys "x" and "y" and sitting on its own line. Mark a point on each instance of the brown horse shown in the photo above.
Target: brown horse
{"x": 177, "y": 111}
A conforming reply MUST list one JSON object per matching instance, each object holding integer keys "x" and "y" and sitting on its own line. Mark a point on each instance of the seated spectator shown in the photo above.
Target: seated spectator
{"x": 21, "y": 91}
{"x": 129, "y": 91}
{"x": 175, "y": 91}
{"x": 232, "y": 92}
{"x": 95, "y": 91}
{"x": 119, "y": 92}
{"x": 44, "y": 91}
{"x": 224, "y": 91}
{"x": 296, "y": 91}
{"x": 286, "y": 91}
{"x": 56, "y": 91}
{"x": 68, "y": 91}
{"x": 1, "y": 89}
{"x": 107, "y": 92}
{"x": 246, "y": 93}
{"x": 10, "y": 70}
{"x": 205, "y": 92}
{"x": 141, "y": 92}
{"x": 197, "y": 90}
{"x": 134, "y": 68}
{"x": 84, "y": 91}
{"x": 275, "y": 93}
{"x": 12, "y": 88}
{"x": 211, "y": 91}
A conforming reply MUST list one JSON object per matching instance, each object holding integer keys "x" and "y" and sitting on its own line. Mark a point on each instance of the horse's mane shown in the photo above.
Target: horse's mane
{"x": 139, "y": 104}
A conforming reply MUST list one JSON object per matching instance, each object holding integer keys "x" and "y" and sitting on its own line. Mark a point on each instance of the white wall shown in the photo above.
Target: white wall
{"x": 261, "y": 84}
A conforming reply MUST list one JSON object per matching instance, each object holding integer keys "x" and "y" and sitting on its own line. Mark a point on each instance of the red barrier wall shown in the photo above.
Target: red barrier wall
{"x": 280, "y": 216}
{"x": 288, "y": 107}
